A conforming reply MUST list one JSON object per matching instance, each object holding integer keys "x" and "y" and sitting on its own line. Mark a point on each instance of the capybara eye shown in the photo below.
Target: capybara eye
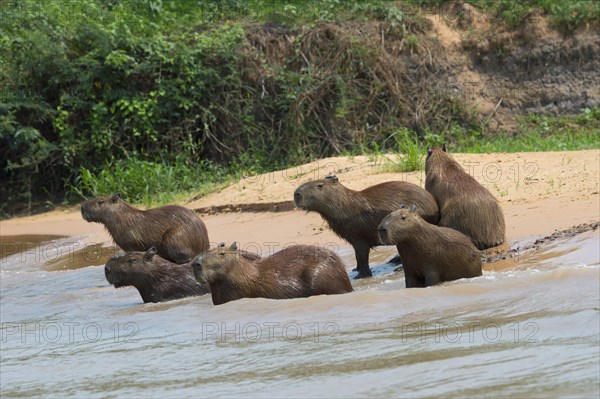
{"x": 320, "y": 185}
{"x": 100, "y": 202}
{"x": 130, "y": 261}
{"x": 403, "y": 217}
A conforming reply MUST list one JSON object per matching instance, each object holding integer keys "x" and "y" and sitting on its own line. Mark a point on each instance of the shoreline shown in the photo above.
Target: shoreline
{"x": 540, "y": 193}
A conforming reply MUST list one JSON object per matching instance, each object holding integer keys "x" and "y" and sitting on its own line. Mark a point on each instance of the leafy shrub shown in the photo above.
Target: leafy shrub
{"x": 150, "y": 183}
{"x": 155, "y": 85}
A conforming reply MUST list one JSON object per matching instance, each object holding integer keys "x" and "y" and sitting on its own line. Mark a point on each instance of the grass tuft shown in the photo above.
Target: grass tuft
{"x": 152, "y": 183}
{"x": 410, "y": 153}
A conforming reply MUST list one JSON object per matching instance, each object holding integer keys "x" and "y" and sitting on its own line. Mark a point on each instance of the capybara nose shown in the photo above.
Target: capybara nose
{"x": 197, "y": 262}
{"x": 382, "y": 230}
{"x": 197, "y": 269}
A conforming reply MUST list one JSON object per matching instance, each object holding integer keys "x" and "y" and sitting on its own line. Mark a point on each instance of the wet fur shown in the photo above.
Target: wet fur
{"x": 355, "y": 215}
{"x": 177, "y": 232}
{"x": 465, "y": 205}
{"x": 295, "y": 272}
{"x": 156, "y": 279}
{"x": 430, "y": 254}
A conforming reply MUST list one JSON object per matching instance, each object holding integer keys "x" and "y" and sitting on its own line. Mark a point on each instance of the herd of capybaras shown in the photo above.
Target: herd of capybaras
{"x": 438, "y": 231}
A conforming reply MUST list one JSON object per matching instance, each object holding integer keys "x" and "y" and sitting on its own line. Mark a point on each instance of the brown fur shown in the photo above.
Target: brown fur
{"x": 465, "y": 205}
{"x": 295, "y": 272}
{"x": 177, "y": 232}
{"x": 430, "y": 254}
{"x": 355, "y": 215}
{"x": 155, "y": 278}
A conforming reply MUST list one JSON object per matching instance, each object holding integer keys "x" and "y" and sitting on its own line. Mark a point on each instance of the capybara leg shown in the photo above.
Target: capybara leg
{"x": 410, "y": 281}
{"x": 177, "y": 255}
{"x": 181, "y": 258}
{"x": 172, "y": 239}
{"x": 361, "y": 250}
{"x": 431, "y": 279}
{"x": 413, "y": 280}
{"x": 397, "y": 260}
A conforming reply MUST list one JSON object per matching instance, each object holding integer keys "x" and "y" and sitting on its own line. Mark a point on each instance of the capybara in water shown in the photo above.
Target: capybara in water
{"x": 177, "y": 232}
{"x": 295, "y": 272}
{"x": 465, "y": 205}
{"x": 430, "y": 254}
{"x": 355, "y": 215}
{"x": 155, "y": 278}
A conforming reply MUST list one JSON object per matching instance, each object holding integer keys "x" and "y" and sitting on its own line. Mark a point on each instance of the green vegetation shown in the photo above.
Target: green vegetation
{"x": 534, "y": 133}
{"x": 151, "y": 183}
{"x": 566, "y": 15}
{"x": 162, "y": 100}
{"x": 410, "y": 153}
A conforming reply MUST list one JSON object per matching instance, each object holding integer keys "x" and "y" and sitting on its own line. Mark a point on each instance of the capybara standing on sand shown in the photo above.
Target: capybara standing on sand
{"x": 177, "y": 232}
{"x": 430, "y": 254}
{"x": 465, "y": 205}
{"x": 295, "y": 272}
{"x": 355, "y": 215}
{"x": 155, "y": 278}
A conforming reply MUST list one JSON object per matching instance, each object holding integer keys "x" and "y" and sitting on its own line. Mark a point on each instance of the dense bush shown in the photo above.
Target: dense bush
{"x": 194, "y": 90}
{"x": 87, "y": 84}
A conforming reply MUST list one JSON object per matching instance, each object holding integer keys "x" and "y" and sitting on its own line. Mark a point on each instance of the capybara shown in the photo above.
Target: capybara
{"x": 465, "y": 205}
{"x": 177, "y": 232}
{"x": 355, "y": 215}
{"x": 294, "y": 272}
{"x": 430, "y": 254}
{"x": 155, "y": 278}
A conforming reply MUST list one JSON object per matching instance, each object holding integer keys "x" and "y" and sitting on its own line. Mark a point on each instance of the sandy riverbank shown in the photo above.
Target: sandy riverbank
{"x": 539, "y": 192}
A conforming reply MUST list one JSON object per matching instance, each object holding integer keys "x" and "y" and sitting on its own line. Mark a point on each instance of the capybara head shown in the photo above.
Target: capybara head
{"x": 436, "y": 156}
{"x": 430, "y": 150}
{"x": 398, "y": 225}
{"x": 214, "y": 263}
{"x": 320, "y": 195}
{"x": 101, "y": 209}
{"x": 125, "y": 270}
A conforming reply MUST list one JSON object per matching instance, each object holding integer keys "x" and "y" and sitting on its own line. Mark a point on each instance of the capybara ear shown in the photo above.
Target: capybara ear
{"x": 150, "y": 254}
{"x": 413, "y": 209}
{"x": 429, "y": 151}
{"x": 402, "y": 206}
{"x": 444, "y": 147}
{"x": 221, "y": 245}
{"x": 115, "y": 197}
{"x": 332, "y": 179}
{"x": 233, "y": 246}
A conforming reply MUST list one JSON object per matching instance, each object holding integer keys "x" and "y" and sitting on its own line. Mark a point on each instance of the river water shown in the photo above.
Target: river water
{"x": 529, "y": 328}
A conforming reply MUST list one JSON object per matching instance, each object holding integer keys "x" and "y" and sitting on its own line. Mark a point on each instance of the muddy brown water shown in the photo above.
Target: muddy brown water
{"x": 527, "y": 328}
